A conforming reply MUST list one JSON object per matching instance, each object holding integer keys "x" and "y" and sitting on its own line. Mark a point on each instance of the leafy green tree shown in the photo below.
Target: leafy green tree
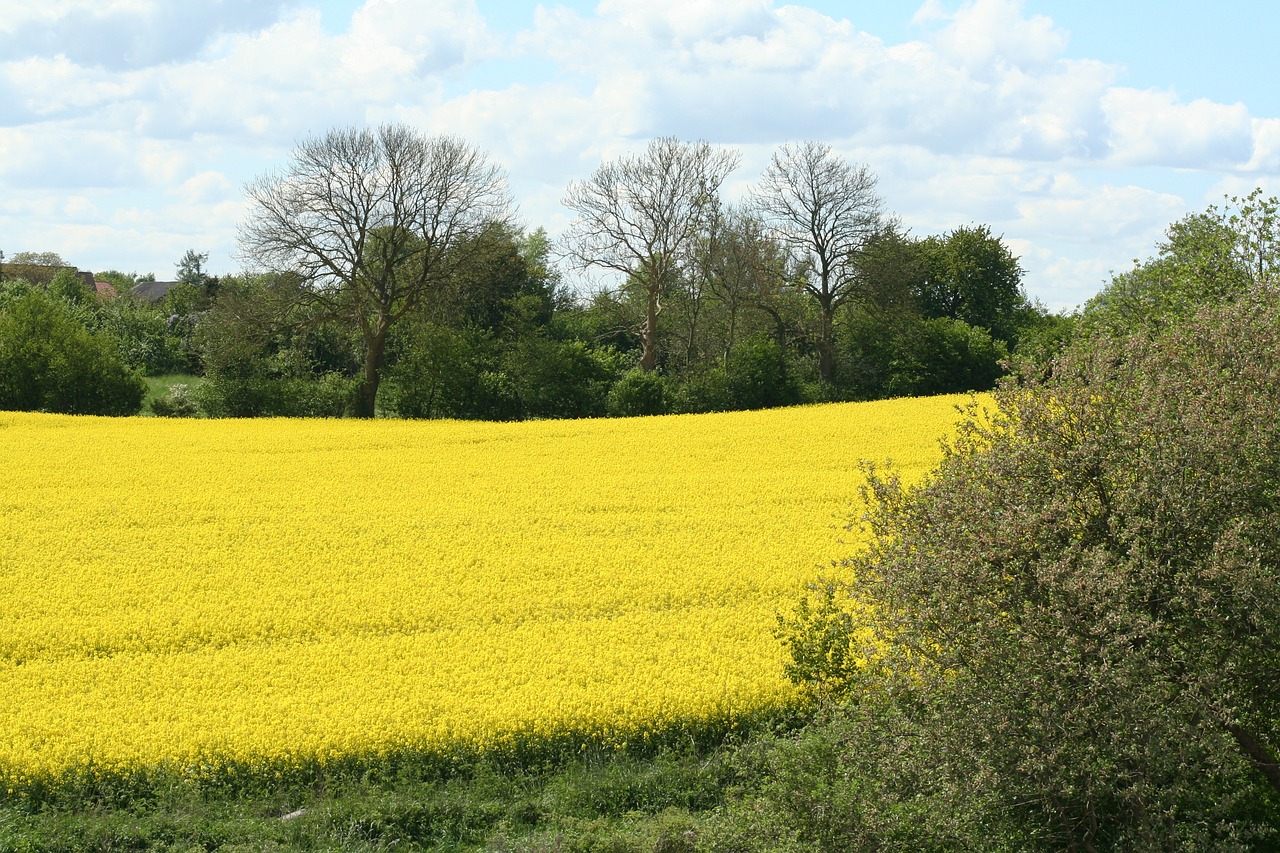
{"x": 562, "y": 379}
{"x": 148, "y": 341}
{"x": 970, "y": 275}
{"x": 40, "y": 259}
{"x": 50, "y": 361}
{"x": 266, "y": 353}
{"x": 1205, "y": 258}
{"x": 190, "y": 268}
{"x": 1073, "y": 624}
{"x": 502, "y": 285}
{"x": 943, "y": 356}
{"x": 638, "y": 392}
{"x": 70, "y": 286}
{"x": 121, "y": 281}
{"x": 1042, "y": 333}
{"x": 436, "y": 371}
{"x": 758, "y": 376}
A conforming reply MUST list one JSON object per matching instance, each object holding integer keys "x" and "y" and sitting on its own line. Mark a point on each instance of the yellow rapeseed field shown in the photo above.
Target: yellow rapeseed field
{"x": 194, "y": 594}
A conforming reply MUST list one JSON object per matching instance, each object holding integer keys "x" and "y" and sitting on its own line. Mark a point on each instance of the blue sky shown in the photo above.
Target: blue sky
{"x": 1078, "y": 130}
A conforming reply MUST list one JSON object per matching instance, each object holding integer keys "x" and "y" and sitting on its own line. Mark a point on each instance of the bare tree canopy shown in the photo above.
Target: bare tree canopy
{"x": 641, "y": 215}
{"x": 373, "y": 222}
{"x": 824, "y": 209}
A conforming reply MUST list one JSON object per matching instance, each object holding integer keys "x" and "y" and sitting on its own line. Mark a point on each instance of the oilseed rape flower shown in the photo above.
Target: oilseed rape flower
{"x": 195, "y": 594}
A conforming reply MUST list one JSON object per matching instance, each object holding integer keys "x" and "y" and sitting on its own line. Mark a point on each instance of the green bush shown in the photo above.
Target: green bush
{"x": 435, "y": 372}
{"x": 1067, "y": 635}
{"x": 638, "y": 392}
{"x": 149, "y": 340}
{"x": 758, "y": 376}
{"x": 327, "y": 396}
{"x": 439, "y": 371}
{"x": 496, "y": 398}
{"x": 704, "y": 391}
{"x": 944, "y": 356}
{"x": 562, "y": 379}
{"x": 49, "y": 361}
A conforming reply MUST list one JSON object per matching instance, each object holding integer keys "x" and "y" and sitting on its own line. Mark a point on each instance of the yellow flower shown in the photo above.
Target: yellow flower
{"x": 196, "y": 593}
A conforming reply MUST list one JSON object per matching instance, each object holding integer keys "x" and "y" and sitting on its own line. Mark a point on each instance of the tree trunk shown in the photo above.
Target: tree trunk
{"x": 826, "y": 346}
{"x": 733, "y": 331}
{"x": 649, "y": 332}
{"x": 374, "y": 355}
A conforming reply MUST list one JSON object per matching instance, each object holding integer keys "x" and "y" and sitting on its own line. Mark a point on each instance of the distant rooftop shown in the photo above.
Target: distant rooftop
{"x": 152, "y": 291}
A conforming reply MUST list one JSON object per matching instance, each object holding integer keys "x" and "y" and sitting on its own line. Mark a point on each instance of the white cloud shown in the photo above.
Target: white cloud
{"x": 1266, "y": 146}
{"x": 1074, "y": 213}
{"x": 1075, "y": 279}
{"x": 993, "y": 35}
{"x": 127, "y": 34}
{"x": 43, "y": 87}
{"x": 206, "y": 187}
{"x": 59, "y": 157}
{"x": 989, "y": 81}
{"x": 1153, "y": 128}
{"x": 416, "y": 37}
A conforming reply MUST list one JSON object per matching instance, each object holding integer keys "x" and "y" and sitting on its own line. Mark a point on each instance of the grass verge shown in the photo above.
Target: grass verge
{"x": 597, "y": 801}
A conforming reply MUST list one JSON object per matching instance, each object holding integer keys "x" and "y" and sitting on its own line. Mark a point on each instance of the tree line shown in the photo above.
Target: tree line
{"x": 388, "y": 277}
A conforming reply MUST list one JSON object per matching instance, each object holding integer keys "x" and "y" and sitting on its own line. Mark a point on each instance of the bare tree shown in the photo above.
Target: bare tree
{"x": 825, "y": 209}
{"x": 640, "y": 216}
{"x": 374, "y": 221}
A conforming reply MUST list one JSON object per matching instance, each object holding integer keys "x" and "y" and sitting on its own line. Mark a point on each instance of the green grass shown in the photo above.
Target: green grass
{"x": 607, "y": 802}
{"x": 160, "y": 386}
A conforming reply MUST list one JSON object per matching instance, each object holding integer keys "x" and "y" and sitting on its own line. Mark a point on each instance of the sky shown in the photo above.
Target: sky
{"x": 1077, "y": 130}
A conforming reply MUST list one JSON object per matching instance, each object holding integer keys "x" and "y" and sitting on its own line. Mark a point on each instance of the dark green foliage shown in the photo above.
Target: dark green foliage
{"x": 704, "y": 391}
{"x": 1076, "y": 619}
{"x": 435, "y": 372}
{"x": 503, "y": 279}
{"x": 1042, "y": 334}
{"x": 329, "y": 395}
{"x": 150, "y": 338}
{"x": 444, "y": 371}
{"x": 757, "y": 376}
{"x": 563, "y": 379}
{"x": 265, "y": 354}
{"x": 944, "y": 356}
{"x": 903, "y": 355}
{"x": 970, "y": 275}
{"x": 638, "y": 392}
{"x": 50, "y": 361}
{"x": 69, "y": 286}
